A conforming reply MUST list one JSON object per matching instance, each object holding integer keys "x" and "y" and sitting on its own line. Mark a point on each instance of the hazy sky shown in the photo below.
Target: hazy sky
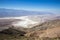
{"x": 31, "y": 4}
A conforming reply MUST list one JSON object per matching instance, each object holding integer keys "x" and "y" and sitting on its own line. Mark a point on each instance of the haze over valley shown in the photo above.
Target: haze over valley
{"x": 29, "y": 19}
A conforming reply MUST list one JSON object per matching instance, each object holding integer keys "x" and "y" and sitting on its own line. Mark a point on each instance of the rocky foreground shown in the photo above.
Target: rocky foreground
{"x": 49, "y": 30}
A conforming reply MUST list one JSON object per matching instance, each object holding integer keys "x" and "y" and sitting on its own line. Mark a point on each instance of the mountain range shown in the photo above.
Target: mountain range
{"x": 16, "y": 13}
{"x": 29, "y": 24}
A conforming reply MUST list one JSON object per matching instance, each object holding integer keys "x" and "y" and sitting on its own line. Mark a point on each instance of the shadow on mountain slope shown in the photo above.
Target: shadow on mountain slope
{"x": 45, "y": 31}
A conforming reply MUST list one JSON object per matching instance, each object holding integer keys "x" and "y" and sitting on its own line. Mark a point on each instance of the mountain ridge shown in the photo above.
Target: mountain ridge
{"x": 16, "y": 13}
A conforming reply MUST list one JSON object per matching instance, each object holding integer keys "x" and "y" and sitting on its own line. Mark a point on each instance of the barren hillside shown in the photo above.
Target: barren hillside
{"x": 48, "y": 29}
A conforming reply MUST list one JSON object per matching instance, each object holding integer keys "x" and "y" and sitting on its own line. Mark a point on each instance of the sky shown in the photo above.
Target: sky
{"x": 34, "y": 5}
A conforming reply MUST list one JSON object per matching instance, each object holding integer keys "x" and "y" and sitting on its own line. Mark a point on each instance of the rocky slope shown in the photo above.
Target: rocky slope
{"x": 48, "y": 29}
